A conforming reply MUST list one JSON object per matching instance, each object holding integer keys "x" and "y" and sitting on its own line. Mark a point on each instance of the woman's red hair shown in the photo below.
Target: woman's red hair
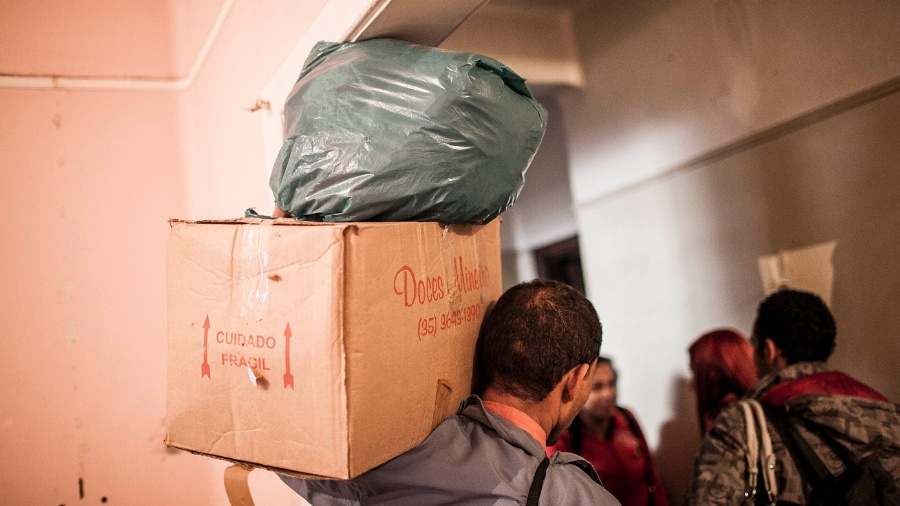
{"x": 722, "y": 363}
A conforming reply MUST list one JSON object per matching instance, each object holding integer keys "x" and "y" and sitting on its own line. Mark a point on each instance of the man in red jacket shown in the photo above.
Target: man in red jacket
{"x": 836, "y": 416}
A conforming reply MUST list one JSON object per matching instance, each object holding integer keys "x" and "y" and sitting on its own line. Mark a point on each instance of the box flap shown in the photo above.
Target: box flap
{"x": 259, "y": 221}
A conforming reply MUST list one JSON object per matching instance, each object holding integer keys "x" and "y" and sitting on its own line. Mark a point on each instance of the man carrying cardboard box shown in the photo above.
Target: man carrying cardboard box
{"x": 537, "y": 350}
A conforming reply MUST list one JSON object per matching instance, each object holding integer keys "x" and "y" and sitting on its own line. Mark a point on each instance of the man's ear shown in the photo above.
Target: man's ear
{"x": 573, "y": 380}
{"x": 770, "y": 352}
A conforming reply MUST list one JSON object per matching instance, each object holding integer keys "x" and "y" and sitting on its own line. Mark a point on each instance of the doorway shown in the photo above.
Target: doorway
{"x": 561, "y": 261}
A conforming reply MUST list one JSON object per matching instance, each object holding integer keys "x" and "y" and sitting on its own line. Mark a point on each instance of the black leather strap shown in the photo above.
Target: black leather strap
{"x": 537, "y": 484}
{"x": 809, "y": 464}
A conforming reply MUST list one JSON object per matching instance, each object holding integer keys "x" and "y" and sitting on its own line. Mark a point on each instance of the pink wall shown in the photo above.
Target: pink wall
{"x": 188, "y": 24}
{"x": 90, "y": 180}
{"x": 226, "y": 170}
{"x": 86, "y": 38}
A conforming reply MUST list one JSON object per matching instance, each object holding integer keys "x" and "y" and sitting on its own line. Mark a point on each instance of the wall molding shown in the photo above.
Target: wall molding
{"x": 61, "y": 82}
{"x": 760, "y": 137}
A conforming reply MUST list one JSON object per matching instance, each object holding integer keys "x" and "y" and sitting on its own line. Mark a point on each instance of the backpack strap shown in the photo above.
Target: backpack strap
{"x": 537, "y": 484}
{"x": 805, "y": 458}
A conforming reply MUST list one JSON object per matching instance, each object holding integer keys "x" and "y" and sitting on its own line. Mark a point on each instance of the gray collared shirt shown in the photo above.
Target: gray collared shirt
{"x": 472, "y": 458}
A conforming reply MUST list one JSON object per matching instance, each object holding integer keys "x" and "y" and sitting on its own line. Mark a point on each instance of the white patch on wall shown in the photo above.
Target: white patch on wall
{"x": 809, "y": 268}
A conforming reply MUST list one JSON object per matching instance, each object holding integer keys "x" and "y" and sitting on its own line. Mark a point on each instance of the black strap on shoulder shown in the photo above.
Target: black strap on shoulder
{"x": 809, "y": 464}
{"x": 537, "y": 484}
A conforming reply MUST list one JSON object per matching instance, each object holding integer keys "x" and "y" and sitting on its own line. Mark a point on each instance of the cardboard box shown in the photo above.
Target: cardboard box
{"x": 321, "y": 349}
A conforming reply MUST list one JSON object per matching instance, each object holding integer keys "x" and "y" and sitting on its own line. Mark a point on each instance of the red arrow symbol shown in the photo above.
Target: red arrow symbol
{"x": 288, "y": 377}
{"x": 204, "y": 369}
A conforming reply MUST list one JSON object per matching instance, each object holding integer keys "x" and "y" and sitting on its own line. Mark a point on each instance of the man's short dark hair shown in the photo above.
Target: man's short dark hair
{"x": 799, "y": 323}
{"x": 535, "y": 333}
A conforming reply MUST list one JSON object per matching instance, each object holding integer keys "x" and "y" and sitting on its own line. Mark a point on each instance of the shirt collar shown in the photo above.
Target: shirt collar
{"x": 517, "y": 418}
{"x": 791, "y": 372}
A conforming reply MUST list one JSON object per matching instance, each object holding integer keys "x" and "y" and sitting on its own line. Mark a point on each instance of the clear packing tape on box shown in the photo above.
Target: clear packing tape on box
{"x": 383, "y": 130}
{"x": 251, "y": 291}
{"x": 252, "y": 288}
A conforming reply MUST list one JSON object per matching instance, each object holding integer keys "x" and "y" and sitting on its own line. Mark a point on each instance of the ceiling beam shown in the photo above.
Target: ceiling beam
{"x": 537, "y": 41}
{"x": 427, "y": 23}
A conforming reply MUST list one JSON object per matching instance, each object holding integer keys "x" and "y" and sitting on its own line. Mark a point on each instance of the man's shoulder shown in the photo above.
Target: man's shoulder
{"x": 721, "y": 460}
{"x": 730, "y": 421}
{"x": 851, "y": 420}
{"x": 459, "y": 440}
{"x": 570, "y": 463}
{"x": 573, "y": 480}
{"x": 837, "y": 401}
{"x": 454, "y": 435}
{"x": 465, "y": 456}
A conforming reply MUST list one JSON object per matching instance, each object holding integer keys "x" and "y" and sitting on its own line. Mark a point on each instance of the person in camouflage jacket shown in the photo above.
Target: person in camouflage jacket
{"x": 793, "y": 335}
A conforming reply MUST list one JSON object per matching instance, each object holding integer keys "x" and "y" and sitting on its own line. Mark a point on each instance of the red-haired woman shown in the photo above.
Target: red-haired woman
{"x": 723, "y": 369}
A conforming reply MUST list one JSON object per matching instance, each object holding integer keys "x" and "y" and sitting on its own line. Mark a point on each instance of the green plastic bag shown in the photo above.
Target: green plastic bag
{"x": 384, "y": 130}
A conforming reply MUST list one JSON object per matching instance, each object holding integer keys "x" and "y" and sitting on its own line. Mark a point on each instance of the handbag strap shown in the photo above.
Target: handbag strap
{"x": 752, "y": 453}
{"x": 760, "y": 457}
{"x": 537, "y": 484}
{"x": 767, "y": 456}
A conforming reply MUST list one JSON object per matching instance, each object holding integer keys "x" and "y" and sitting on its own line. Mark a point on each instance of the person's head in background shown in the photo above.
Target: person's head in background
{"x": 597, "y": 415}
{"x": 538, "y": 345}
{"x": 600, "y": 407}
{"x": 722, "y": 371}
{"x": 792, "y": 326}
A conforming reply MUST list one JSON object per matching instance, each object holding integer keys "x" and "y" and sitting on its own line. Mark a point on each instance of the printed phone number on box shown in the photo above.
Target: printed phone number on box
{"x": 430, "y": 325}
